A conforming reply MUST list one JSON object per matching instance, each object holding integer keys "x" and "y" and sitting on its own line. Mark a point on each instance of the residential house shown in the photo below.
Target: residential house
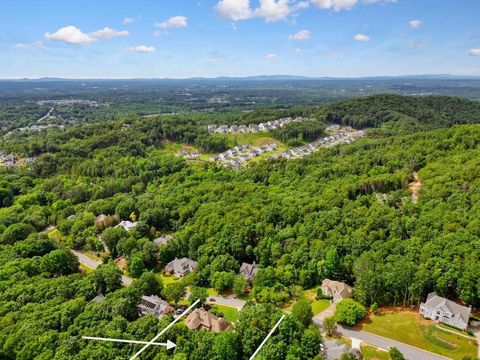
{"x": 99, "y": 298}
{"x": 445, "y": 311}
{"x": 249, "y": 271}
{"x": 202, "y": 319}
{"x": 336, "y": 289}
{"x": 163, "y": 240}
{"x": 181, "y": 267}
{"x": 154, "y": 305}
{"x": 243, "y": 128}
{"x": 253, "y": 128}
{"x": 127, "y": 225}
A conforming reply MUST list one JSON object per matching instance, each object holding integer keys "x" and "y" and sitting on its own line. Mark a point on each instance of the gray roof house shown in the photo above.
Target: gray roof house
{"x": 336, "y": 289}
{"x": 445, "y": 311}
{"x": 249, "y": 271}
{"x": 181, "y": 267}
{"x": 163, "y": 240}
{"x": 154, "y": 305}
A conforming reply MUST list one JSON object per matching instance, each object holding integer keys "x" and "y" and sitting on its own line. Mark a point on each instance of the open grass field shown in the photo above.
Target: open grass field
{"x": 408, "y": 327}
{"x": 372, "y": 353}
{"x": 230, "y": 313}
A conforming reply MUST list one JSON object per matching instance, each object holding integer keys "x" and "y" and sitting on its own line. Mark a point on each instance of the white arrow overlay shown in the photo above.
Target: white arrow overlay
{"x": 164, "y": 330}
{"x": 265, "y": 340}
{"x": 169, "y": 344}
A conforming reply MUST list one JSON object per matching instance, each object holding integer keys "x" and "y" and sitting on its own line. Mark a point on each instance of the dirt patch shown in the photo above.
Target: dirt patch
{"x": 415, "y": 187}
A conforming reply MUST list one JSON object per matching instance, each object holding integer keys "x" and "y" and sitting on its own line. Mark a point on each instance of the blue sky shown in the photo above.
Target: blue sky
{"x": 185, "y": 38}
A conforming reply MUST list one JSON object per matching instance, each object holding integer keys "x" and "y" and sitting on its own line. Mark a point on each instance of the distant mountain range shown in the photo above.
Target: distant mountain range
{"x": 274, "y": 78}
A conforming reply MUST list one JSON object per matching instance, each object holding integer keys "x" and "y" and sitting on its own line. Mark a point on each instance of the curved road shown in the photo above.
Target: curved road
{"x": 93, "y": 264}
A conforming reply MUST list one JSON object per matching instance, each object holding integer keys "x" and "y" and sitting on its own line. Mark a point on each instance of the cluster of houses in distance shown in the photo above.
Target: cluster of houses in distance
{"x": 240, "y": 154}
{"x": 9, "y": 160}
{"x": 67, "y": 102}
{"x": 253, "y": 128}
{"x": 342, "y": 135}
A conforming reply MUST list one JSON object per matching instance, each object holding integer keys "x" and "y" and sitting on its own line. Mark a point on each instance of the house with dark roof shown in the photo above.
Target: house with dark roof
{"x": 154, "y": 305}
{"x": 249, "y": 271}
{"x": 336, "y": 289}
{"x": 181, "y": 267}
{"x": 445, "y": 311}
{"x": 202, "y": 319}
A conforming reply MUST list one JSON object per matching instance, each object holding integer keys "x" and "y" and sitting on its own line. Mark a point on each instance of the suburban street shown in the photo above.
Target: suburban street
{"x": 92, "y": 264}
{"x": 228, "y": 301}
{"x": 410, "y": 352}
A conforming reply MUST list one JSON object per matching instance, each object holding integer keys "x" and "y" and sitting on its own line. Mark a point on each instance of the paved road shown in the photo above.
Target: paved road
{"x": 93, "y": 264}
{"x": 228, "y": 301}
{"x": 410, "y": 352}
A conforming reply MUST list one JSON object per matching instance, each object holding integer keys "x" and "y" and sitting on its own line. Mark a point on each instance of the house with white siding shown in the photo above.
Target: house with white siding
{"x": 445, "y": 311}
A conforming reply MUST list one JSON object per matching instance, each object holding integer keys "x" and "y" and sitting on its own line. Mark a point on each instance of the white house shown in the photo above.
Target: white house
{"x": 445, "y": 311}
{"x": 127, "y": 225}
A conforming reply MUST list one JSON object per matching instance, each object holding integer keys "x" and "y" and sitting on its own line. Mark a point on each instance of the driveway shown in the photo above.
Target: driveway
{"x": 410, "y": 352}
{"x": 318, "y": 319}
{"x": 93, "y": 264}
{"x": 228, "y": 301}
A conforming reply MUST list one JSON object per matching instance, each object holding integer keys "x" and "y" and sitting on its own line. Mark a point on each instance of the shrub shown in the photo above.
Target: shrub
{"x": 349, "y": 312}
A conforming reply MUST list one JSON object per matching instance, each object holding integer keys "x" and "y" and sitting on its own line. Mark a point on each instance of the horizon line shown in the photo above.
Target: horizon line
{"x": 278, "y": 76}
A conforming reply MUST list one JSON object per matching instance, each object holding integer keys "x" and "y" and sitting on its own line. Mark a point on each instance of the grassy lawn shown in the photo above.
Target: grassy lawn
{"x": 93, "y": 255}
{"x": 166, "y": 279}
{"x": 410, "y": 328}
{"x": 230, "y": 313}
{"x": 319, "y": 306}
{"x": 85, "y": 269}
{"x": 212, "y": 292}
{"x": 245, "y": 297}
{"x": 372, "y": 353}
{"x": 57, "y": 237}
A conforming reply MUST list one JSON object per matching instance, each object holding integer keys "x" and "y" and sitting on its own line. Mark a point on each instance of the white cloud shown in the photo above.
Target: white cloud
{"x": 141, "y": 49}
{"x": 339, "y": 5}
{"x": 107, "y": 33}
{"x": 35, "y": 45}
{"x": 71, "y": 35}
{"x": 270, "y": 56}
{"x": 128, "y": 20}
{"x": 415, "y": 24}
{"x": 234, "y": 9}
{"x": 270, "y": 10}
{"x": 474, "y": 52}
{"x": 301, "y": 35}
{"x": 336, "y": 5}
{"x": 273, "y": 10}
{"x": 173, "y": 22}
{"x": 301, "y": 5}
{"x": 361, "y": 38}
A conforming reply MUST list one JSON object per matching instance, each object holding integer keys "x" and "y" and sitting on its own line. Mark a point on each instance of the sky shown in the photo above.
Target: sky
{"x": 210, "y": 38}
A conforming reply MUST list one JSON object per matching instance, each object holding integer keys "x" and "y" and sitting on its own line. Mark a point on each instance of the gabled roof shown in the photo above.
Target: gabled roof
{"x": 202, "y": 318}
{"x": 340, "y": 288}
{"x": 433, "y": 301}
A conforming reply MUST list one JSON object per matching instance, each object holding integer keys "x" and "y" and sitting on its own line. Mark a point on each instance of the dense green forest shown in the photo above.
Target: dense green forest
{"x": 344, "y": 213}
